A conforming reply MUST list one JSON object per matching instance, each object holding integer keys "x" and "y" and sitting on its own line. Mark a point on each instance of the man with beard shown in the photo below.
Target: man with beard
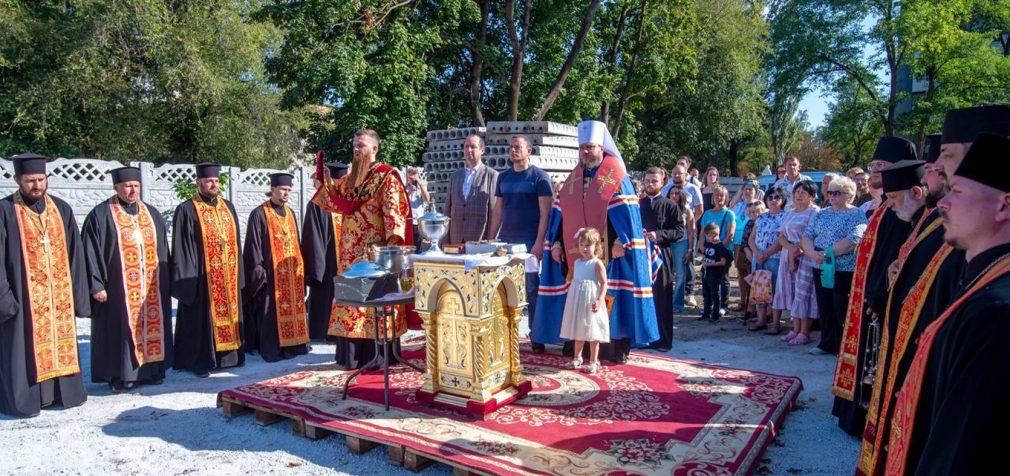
{"x": 375, "y": 211}
{"x": 951, "y": 410}
{"x": 868, "y": 298}
{"x": 126, "y": 249}
{"x": 664, "y": 225}
{"x": 207, "y": 279}
{"x": 275, "y": 321}
{"x": 599, "y": 194}
{"x": 929, "y": 277}
{"x": 43, "y": 288}
{"x": 319, "y": 254}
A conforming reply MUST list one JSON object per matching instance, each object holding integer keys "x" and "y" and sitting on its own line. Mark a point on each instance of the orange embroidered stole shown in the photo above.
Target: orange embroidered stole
{"x": 903, "y": 423}
{"x": 848, "y": 355}
{"x": 138, "y": 251}
{"x": 289, "y": 277}
{"x": 50, "y": 290}
{"x": 873, "y": 438}
{"x": 220, "y": 247}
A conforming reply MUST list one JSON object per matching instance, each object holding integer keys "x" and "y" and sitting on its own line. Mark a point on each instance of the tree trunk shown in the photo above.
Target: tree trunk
{"x": 518, "y": 52}
{"x": 920, "y": 141}
{"x": 559, "y": 82}
{"x": 476, "y": 112}
{"x": 734, "y": 166}
{"x": 630, "y": 73}
{"x": 610, "y": 59}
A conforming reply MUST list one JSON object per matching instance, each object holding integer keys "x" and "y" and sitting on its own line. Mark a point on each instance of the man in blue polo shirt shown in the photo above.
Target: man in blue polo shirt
{"x": 524, "y": 203}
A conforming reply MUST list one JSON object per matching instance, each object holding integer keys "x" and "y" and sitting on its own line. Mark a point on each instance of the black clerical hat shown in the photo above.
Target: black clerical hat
{"x": 337, "y": 169}
{"x": 988, "y": 161}
{"x": 281, "y": 179}
{"x": 932, "y": 151}
{"x": 894, "y": 149}
{"x": 125, "y": 174}
{"x": 208, "y": 170}
{"x": 29, "y": 163}
{"x": 903, "y": 175}
{"x": 962, "y": 125}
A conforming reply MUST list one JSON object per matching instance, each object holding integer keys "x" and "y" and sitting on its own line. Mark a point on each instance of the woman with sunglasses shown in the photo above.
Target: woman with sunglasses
{"x": 830, "y": 241}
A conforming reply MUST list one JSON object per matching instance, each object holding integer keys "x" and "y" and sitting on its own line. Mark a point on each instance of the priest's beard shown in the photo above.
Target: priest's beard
{"x": 934, "y": 197}
{"x": 359, "y": 170}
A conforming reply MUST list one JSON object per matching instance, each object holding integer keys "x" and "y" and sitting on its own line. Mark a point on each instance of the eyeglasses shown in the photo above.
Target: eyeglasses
{"x": 835, "y": 193}
{"x": 774, "y": 197}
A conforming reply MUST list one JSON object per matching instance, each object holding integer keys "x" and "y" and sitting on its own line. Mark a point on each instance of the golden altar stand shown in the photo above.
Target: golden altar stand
{"x": 471, "y": 307}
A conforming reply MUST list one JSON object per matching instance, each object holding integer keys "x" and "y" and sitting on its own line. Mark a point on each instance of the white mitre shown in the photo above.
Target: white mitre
{"x": 596, "y": 132}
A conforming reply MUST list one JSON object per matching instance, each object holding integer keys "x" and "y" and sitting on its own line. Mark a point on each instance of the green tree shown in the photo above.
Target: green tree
{"x": 951, "y": 45}
{"x": 851, "y": 128}
{"x": 712, "y": 114}
{"x": 141, "y": 80}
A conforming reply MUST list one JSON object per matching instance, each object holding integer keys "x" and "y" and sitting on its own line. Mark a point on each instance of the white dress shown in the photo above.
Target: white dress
{"x": 579, "y": 321}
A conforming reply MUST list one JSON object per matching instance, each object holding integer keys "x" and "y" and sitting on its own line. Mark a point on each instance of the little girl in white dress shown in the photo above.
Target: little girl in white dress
{"x": 586, "y": 318}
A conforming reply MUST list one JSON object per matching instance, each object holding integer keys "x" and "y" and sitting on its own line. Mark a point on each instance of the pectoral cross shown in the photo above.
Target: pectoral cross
{"x": 45, "y": 242}
{"x": 607, "y": 180}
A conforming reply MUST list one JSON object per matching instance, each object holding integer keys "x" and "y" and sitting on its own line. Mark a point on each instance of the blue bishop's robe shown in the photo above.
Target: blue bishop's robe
{"x": 629, "y": 277}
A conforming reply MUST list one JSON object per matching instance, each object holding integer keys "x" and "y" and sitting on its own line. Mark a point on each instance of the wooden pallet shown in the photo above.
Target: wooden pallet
{"x": 397, "y": 455}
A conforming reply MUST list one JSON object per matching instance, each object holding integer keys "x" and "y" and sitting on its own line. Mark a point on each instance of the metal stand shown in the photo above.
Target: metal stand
{"x": 383, "y": 310}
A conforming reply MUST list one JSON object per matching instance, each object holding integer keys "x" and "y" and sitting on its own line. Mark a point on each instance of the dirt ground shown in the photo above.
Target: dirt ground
{"x": 175, "y": 428}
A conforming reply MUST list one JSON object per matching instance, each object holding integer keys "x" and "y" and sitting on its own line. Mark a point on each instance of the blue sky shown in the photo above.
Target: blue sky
{"x": 816, "y": 107}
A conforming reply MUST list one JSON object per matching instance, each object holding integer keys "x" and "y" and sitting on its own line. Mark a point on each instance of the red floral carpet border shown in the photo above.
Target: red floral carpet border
{"x": 653, "y": 415}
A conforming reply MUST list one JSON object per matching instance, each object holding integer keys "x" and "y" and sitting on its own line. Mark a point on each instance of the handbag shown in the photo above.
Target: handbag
{"x": 828, "y": 269}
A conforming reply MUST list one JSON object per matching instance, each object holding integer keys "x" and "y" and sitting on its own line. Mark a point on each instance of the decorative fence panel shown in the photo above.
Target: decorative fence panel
{"x": 84, "y": 183}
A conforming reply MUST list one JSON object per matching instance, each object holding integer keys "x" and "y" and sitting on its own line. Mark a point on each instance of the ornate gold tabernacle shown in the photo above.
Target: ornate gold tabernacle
{"x": 471, "y": 323}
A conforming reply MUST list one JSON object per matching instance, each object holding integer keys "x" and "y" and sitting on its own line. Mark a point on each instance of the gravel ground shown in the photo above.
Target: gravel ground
{"x": 175, "y": 428}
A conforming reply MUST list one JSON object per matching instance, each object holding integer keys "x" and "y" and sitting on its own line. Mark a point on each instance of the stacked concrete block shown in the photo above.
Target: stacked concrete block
{"x": 555, "y": 150}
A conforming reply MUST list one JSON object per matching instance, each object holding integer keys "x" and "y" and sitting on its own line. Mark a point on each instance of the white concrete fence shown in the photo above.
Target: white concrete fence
{"x": 84, "y": 183}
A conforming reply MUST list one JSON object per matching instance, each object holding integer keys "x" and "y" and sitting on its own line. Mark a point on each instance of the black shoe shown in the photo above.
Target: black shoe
{"x": 203, "y": 374}
{"x": 118, "y": 388}
{"x": 622, "y": 359}
{"x": 157, "y": 381}
{"x": 538, "y": 348}
{"x": 714, "y": 318}
{"x": 703, "y": 318}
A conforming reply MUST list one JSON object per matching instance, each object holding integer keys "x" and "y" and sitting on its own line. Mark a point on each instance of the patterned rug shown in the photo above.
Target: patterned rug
{"x": 653, "y": 415}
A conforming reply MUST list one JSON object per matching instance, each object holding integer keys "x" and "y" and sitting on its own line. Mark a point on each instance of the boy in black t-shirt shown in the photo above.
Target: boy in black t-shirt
{"x": 713, "y": 265}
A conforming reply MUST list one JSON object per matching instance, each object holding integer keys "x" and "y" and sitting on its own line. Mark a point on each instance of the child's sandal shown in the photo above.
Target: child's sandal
{"x": 592, "y": 368}
{"x": 575, "y": 363}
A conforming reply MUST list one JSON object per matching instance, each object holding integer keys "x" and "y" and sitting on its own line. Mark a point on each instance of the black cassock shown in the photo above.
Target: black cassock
{"x": 320, "y": 255}
{"x": 19, "y": 394}
{"x": 944, "y": 290}
{"x": 961, "y": 423}
{"x": 112, "y": 356}
{"x": 891, "y": 233}
{"x": 662, "y": 216}
{"x": 260, "y": 309}
{"x": 194, "y": 335}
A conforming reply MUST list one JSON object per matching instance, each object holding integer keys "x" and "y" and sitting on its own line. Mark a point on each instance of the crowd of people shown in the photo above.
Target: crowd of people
{"x": 904, "y": 269}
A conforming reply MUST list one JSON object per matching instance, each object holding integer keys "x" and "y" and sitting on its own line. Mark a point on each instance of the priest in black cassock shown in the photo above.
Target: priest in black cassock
{"x": 664, "y": 225}
{"x": 868, "y": 298}
{"x": 953, "y": 407}
{"x": 43, "y": 288}
{"x": 126, "y": 249}
{"x": 275, "y": 321}
{"x": 319, "y": 253}
{"x": 207, "y": 279}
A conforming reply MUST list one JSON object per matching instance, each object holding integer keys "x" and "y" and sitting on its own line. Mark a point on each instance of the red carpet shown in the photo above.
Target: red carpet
{"x": 654, "y": 415}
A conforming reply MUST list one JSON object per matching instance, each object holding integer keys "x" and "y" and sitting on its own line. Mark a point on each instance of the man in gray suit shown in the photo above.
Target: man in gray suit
{"x": 471, "y": 195}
